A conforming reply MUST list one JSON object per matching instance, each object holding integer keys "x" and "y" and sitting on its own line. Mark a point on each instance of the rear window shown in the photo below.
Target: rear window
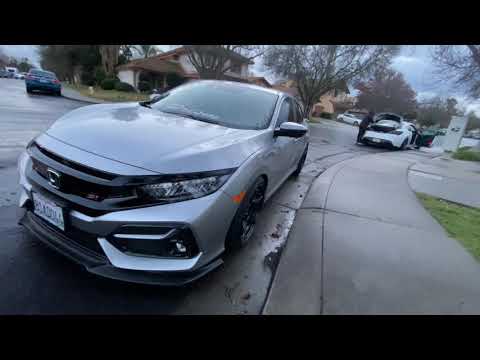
{"x": 41, "y": 73}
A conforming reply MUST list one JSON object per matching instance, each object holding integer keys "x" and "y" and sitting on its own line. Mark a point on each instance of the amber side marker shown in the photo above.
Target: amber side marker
{"x": 237, "y": 199}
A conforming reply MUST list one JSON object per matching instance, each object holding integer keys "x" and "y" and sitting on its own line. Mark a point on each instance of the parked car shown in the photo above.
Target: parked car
{"x": 351, "y": 117}
{"x": 12, "y": 71}
{"x": 44, "y": 81}
{"x": 390, "y": 130}
{"x": 19, "y": 76}
{"x": 155, "y": 192}
{"x": 427, "y": 136}
{"x": 4, "y": 74}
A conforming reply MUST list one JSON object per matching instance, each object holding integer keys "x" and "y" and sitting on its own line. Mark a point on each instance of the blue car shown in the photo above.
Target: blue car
{"x": 44, "y": 81}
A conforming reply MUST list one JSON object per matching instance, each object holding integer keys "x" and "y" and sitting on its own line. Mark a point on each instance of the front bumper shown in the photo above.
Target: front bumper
{"x": 100, "y": 265}
{"x": 87, "y": 239}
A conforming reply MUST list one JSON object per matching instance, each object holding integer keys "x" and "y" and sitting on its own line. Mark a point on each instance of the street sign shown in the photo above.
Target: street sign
{"x": 455, "y": 132}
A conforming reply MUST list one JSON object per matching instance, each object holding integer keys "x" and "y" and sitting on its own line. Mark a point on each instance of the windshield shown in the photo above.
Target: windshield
{"x": 226, "y": 104}
{"x": 45, "y": 74}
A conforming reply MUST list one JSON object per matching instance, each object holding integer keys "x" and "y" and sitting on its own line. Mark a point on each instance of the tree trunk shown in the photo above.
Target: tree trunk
{"x": 109, "y": 54}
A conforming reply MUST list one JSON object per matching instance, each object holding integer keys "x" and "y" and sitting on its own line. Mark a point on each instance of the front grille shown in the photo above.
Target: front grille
{"x": 85, "y": 189}
{"x": 84, "y": 239}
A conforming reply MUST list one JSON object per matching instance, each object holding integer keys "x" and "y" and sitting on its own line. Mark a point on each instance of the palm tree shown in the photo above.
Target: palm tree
{"x": 146, "y": 50}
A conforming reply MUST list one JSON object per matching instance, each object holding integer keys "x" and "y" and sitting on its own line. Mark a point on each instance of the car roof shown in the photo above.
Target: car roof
{"x": 43, "y": 71}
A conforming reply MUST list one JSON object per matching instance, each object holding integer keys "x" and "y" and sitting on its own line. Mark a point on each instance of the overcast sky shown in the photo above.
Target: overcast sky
{"x": 413, "y": 62}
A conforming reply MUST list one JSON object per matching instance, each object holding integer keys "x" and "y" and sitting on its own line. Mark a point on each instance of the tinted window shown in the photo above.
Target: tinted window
{"x": 285, "y": 112}
{"x": 227, "y": 104}
{"x": 41, "y": 73}
{"x": 299, "y": 113}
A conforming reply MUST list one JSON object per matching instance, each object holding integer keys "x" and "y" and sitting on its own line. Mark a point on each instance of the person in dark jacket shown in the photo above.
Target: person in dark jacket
{"x": 367, "y": 120}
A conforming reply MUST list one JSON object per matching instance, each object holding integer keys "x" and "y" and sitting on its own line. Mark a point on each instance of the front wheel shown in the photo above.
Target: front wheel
{"x": 355, "y": 123}
{"x": 300, "y": 164}
{"x": 404, "y": 144}
{"x": 243, "y": 223}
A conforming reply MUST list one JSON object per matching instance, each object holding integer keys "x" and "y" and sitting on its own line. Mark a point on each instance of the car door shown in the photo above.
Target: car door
{"x": 410, "y": 134}
{"x": 300, "y": 143}
{"x": 283, "y": 152}
{"x": 349, "y": 118}
{"x": 414, "y": 134}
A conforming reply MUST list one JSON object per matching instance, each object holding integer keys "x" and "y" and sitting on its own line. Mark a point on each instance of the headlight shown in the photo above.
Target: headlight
{"x": 185, "y": 189}
{"x": 22, "y": 163}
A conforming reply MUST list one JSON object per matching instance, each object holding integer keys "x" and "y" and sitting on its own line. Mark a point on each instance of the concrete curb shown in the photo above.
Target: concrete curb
{"x": 74, "y": 95}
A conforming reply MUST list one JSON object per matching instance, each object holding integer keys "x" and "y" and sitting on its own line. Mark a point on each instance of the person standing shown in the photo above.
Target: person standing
{"x": 367, "y": 120}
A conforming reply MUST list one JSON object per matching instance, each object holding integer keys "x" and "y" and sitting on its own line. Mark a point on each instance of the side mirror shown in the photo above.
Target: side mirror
{"x": 290, "y": 129}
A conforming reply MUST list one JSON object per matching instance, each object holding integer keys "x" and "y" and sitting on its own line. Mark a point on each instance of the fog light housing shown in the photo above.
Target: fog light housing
{"x": 145, "y": 241}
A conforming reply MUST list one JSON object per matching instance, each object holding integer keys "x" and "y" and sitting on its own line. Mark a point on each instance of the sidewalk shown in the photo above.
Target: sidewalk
{"x": 363, "y": 244}
{"x": 72, "y": 94}
{"x": 447, "y": 178}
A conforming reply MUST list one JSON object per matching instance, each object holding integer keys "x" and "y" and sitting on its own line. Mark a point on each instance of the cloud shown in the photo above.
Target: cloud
{"x": 21, "y": 51}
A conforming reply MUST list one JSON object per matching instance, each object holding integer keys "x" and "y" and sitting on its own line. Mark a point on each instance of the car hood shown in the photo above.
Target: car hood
{"x": 154, "y": 141}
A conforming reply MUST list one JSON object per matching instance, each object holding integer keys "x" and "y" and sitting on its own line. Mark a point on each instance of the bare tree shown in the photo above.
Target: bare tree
{"x": 213, "y": 61}
{"x": 3, "y": 58}
{"x": 146, "y": 50}
{"x": 435, "y": 111}
{"x": 386, "y": 90}
{"x": 317, "y": 69}
{"x": 460, "y": 64}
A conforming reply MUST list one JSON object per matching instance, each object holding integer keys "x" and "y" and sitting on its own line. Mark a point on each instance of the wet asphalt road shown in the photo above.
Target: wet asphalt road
{"x": 36, "y": 280}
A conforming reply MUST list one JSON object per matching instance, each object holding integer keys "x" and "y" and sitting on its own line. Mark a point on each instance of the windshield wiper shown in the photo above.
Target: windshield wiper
{"x": 145, "y": 103}
{"x": 195, "y": 115}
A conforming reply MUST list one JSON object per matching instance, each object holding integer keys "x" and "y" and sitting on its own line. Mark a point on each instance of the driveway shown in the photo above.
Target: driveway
{"x": 36, "y": 280}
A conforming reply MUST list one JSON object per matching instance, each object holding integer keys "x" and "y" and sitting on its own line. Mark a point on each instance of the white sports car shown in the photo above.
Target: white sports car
{"x": 391, "y": 130}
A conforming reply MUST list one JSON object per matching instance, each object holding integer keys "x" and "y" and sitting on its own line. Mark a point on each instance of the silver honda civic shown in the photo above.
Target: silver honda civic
{"x": 155, "y": 192}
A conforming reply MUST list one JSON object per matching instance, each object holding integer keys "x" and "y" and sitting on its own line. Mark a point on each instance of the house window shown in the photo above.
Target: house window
{"x": 236, "y": 67}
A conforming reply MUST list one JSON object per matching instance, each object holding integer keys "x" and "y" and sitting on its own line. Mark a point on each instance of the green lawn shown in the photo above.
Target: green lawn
{"x": 461, "y": 222}
{"x": 466, "y": 153}
{"x": 109, "y": 95}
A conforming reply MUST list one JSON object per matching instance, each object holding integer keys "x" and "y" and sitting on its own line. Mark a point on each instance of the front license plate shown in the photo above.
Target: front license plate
{"x": 48, "y": 211}
{"x": 376, "y": 140}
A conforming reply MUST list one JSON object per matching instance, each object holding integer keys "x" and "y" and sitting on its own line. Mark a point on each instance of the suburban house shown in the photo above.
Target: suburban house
{"x": 334, "y": 101}
{"x": 172, "y": 68}
{"x": 260, "y": 81}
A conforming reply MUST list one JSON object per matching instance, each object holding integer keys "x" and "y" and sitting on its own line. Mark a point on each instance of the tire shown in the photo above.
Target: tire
{"x": 355, "y": 123}
{"x": 300, "y": 164}
{"x": 404, "y": 144}
{"x": 58, "y": 93}
{"x": 243, "y": 223}
{"x": 29, "y": 91}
